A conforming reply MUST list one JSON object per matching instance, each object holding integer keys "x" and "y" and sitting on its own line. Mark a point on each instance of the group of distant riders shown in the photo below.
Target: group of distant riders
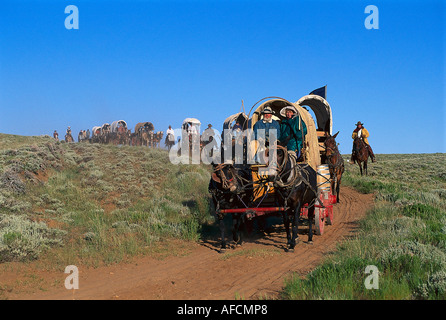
{"x": 82, "y": 136}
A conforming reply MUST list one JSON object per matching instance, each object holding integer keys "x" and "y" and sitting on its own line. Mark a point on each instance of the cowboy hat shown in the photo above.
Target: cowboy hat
{"x": 283, "y": 111}
{"x": 267, "y": 110}
{"x": 359, "y": 123}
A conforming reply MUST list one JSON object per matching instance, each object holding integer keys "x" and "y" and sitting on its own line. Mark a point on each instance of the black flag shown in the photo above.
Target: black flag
{"x": 322, "y": 91}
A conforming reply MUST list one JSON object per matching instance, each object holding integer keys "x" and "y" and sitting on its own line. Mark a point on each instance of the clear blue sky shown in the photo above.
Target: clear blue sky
{"x": 163, "y": 61}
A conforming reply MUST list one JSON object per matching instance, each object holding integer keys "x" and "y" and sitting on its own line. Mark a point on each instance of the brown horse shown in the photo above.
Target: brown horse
{"x": 146, "y": 138}
{"x": 360, "y": 154}
{"x": 169, "y": 141}
{"x": 335, "y": 164}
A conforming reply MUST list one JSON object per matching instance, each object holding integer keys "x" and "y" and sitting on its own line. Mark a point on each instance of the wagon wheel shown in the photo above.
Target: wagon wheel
{"x": 319, "y": 220}
{"x": 330, "y": 215}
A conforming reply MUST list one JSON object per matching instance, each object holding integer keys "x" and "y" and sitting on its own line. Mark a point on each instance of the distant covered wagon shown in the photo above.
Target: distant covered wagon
{"x": 144, "y": 126}
{"x": 119, "y": 126}
{"x": 105, "y": 128}
{"x": 119, "y": 134}
{"x": 96, "y": 131}
{"x": 191, "y": 126}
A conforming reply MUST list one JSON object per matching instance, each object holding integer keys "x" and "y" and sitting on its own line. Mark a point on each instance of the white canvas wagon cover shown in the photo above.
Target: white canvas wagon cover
{"x": 149, "y": 126}
{"x": 115, "y": 124}
{"x": 192, "y": 120}
{"x": 96, "y": 128}
{"x": 240, "y": 117}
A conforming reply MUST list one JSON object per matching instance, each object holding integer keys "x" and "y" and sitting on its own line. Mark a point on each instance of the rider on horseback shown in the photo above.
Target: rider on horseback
{"x": 170, "y": 135}
{"x": 362, "y": 133}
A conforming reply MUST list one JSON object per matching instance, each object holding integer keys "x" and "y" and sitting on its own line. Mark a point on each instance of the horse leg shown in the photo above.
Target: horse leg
{"x": 365, "y": 167}
{"x": 360, "y": 167}
{"x": 286, "y": 223}
{"x": 222, "y": 232}
{"x": 236, "y": 229}
{"x": 338, "y": 188}
{"x": 295, "y": 226}
{"x": 310, "y": 224}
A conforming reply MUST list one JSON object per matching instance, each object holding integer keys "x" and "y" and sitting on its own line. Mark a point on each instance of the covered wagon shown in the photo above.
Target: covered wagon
{"x": 119, "y": 126}
{"x": 250, "y": 190}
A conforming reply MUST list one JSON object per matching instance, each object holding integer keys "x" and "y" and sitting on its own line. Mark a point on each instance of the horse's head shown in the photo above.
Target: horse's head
{"x": 225, "y": 176}
{"x": 331, "y": 145}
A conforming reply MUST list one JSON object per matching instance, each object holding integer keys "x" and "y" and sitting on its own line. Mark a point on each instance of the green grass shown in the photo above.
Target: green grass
{"x": 404, "y": 236}
{"x": 99, "y": 204}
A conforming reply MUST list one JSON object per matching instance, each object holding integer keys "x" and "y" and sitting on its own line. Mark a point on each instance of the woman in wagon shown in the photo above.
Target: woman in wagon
{"x": 363, "y": 133}
{"x": 292, "y": 130}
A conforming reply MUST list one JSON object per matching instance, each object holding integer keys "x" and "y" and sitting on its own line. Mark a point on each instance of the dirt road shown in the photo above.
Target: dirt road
{"x": 255, "y": 270}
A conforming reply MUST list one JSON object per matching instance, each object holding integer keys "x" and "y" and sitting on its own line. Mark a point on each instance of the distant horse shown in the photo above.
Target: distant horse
{"x": 146, "y": 138}
{"x": 360, "y": 154}
{"x": 297, "y": 185}
{"x": 69, "y": 138}
{"x": 170, "y": 141}
{"x": 157, "y": 139}
{"x": 335, "y": 164}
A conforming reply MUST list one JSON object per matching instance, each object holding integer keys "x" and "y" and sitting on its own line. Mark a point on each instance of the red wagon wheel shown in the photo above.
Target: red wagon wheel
{"x": 319, "y": 220}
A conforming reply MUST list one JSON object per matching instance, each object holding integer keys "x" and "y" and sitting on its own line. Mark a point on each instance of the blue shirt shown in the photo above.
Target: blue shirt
{"x": 262, "y": 124}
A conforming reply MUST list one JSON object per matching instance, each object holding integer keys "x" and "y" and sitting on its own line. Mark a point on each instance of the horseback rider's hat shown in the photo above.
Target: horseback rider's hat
{"x": 283, "y": 111}
{"x": 359, "y": 123}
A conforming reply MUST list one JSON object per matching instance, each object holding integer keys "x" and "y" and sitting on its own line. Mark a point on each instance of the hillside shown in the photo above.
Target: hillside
{"x": 94, "y": 203}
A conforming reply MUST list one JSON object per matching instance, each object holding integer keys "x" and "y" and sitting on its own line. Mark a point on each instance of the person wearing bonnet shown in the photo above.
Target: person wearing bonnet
{"x": 292, "y": 130}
